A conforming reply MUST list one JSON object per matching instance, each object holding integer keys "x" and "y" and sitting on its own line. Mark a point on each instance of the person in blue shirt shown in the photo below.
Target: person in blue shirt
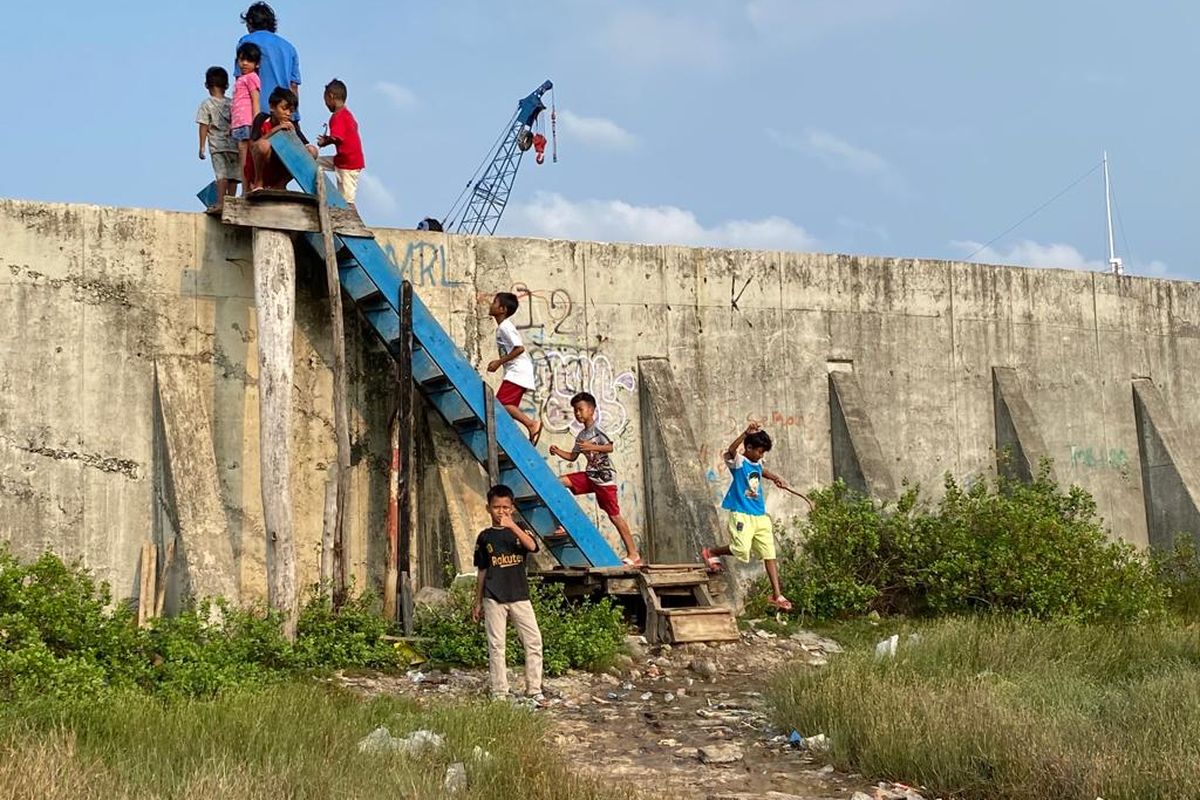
{"x": 280, "y": 64}
{"x": 750, "y": 531}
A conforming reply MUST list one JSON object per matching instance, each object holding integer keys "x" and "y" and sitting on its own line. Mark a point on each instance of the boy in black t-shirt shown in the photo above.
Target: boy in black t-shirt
{"x": 502, "y": 593}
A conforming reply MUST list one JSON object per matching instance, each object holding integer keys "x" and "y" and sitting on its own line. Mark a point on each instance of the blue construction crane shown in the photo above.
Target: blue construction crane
{"x": 482, "y": 201}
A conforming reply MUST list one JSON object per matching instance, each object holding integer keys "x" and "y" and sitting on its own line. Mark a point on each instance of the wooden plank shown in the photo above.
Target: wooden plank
{"x": 621, "y": 586}
{"x": 160, "y": 597}
{"x": 341, "y": 419}
{"x": 288, "y": 216}
{"x": 145, "y": 604}
{"x": 275, "y": 311}
{"x": 391, "y": 580}
{"x": 714, "y": 625}
{"x": 493, "y": 452}
{"x": 405, "y": 431}
{"x": 689, "y": 578}
{"x": 329, "y": 523}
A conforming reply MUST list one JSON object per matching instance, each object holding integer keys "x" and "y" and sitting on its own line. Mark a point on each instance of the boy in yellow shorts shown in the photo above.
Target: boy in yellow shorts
{"x": 750, "y": 531}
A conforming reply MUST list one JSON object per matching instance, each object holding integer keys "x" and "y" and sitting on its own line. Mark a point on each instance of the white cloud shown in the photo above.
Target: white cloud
{"x": 554, "y": 216}
{"x": 597, "y": 131}
{"x": 1028, "y": 253}
{"x": 401, "y": 97}
{"x": 377, "y": 196}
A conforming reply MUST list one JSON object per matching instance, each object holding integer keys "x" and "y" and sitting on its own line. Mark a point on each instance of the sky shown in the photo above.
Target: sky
{"x": 908, "y": 128}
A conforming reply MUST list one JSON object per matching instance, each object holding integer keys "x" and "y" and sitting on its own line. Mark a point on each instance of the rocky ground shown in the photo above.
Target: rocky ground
{"x": 679, "y": 722}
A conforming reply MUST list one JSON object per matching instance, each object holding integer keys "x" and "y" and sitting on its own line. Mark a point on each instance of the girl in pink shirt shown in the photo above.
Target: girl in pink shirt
{"x": 245, "y": 101}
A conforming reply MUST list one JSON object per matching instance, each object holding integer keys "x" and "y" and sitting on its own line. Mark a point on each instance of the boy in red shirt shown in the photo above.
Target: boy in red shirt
{"x": 343, "y": 134}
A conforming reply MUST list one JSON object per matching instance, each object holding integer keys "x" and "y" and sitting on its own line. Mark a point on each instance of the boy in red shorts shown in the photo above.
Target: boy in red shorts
{"x": 599, "y": 477}
{"x": 518, "y": 366}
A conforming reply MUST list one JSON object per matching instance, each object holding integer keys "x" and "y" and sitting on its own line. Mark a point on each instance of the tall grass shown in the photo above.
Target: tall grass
{"x": 288, "y": 741}
{"x": 1009, "y": 710}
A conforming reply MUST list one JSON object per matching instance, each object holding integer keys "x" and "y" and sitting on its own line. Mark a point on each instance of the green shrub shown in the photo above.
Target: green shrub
{"x": 1003, "y": 546}
{"x": 62, "y": 636}
{"x": 1179, "y": 571}
{"x": 583, "y": 635}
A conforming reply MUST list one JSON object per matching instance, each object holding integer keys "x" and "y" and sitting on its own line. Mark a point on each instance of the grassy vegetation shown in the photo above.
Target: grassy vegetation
{"x": 293, "y": 740}
{"x": 1010, "y": 710}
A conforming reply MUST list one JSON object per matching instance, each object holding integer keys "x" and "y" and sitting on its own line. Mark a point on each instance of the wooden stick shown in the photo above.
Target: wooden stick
{"x": 493, "y": 452}
{"x": 404, "y": 451}
{"x": 160, "y": 598}
{"x": 327, "y": 534}
{"x": 391, "y": 581}
{"x": 801, "y": 495}
{"x": 145, "y": 584}
{"x": 275, "y": 312}
{"x": 341, "y": 420}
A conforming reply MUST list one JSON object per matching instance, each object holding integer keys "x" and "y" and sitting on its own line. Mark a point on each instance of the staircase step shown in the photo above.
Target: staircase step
{"x": 689, "y": 578}
{"x": 453, "y": 408}
{"x": 357, "y": 283}
{"x": 715, "y": 624}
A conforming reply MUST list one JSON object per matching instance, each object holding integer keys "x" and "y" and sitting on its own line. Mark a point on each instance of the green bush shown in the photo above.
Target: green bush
{"x": 584, "y": 635}
{"x": 1002, "y": 546}
{"x": 62, "y": 636}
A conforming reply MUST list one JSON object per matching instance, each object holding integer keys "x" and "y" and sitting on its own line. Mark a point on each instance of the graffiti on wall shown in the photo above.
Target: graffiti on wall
{"x": 423, "y": 265}
{"x": 562, "y": 372}
{"x": 1090, "y": 457}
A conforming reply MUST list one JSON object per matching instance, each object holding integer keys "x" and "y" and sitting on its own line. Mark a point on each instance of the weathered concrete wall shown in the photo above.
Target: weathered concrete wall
{"x": 90, "y": 296}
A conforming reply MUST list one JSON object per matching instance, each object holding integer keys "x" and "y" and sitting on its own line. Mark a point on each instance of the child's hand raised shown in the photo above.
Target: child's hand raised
{"x": 754, "y": 427}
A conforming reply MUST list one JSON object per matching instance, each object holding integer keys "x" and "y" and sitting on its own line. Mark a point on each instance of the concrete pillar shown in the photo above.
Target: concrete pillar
{"x": 1170, "y": 480}
{"x": 857, "y": 457}
{"x": 1020, "y": 448}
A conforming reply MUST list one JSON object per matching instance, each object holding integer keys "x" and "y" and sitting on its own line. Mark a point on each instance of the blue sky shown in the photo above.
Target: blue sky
{"x": 914, "y": 128}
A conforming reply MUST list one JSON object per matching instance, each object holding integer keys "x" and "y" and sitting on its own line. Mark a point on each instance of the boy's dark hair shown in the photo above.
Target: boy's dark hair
{"x": 758, "y": 439}
{"x": 218, "y": 77}
{"x": 509, "y": 301}
{"x": 282, "y": 94}
{"x": 260, "y": 17}
{"x": 499, "y": 490}
{"x": 583, "y": 397}
{"x": 336, "y": 90}
{"x": 249, "y": 51}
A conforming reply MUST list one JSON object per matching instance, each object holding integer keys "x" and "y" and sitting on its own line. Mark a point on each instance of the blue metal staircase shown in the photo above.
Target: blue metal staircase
{"x": 446, "y": 379}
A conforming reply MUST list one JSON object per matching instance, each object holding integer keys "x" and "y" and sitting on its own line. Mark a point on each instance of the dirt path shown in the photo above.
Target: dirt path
{"x": 684, "y": 722}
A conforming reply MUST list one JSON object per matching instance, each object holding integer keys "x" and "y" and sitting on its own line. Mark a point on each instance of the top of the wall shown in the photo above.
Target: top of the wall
{"x": 49, "y": 217}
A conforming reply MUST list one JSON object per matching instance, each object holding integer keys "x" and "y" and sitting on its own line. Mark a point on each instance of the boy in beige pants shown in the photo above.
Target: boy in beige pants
{"x": 502, "y": 594}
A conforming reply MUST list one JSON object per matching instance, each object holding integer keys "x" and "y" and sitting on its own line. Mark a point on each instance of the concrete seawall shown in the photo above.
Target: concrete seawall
{"x": 91, "y": 299}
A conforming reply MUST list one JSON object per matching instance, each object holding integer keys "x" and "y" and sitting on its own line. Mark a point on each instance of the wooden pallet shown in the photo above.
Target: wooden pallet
{"x": 681, "y": 600}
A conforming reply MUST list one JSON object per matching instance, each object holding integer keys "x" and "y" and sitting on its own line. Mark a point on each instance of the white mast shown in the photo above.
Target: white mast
{"x": 1114, "y": 264}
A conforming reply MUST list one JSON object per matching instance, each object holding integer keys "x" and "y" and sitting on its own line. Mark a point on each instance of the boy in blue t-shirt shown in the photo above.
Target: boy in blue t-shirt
{"x": 750, "y": 531}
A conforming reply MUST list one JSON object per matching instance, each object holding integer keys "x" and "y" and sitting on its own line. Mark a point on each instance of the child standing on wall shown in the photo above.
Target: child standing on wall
{"x": 599, "y": 477}
{"x": 750, "y": 531}
{"x": 348, "y": 163}
{"x": 246, "y": 102}
{"x": 518, "y": 366}
{"x": 213, "y": 117}
{"x": 502, "y": 594}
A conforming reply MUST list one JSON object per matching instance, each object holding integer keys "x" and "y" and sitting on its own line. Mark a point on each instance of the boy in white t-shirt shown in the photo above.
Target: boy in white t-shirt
{"x": 518, "y": 366}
